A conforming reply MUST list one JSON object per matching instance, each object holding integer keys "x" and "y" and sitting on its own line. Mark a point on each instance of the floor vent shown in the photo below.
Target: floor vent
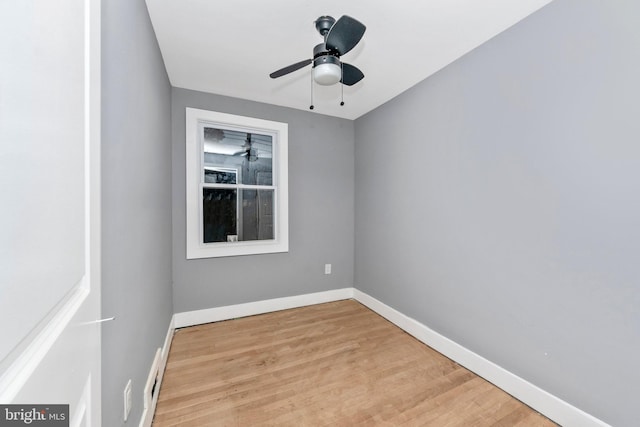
{"x": 151, "y": 390}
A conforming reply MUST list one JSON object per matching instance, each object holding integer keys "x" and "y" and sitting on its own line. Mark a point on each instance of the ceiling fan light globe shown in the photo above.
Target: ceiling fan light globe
{"x": 327, "y": 74}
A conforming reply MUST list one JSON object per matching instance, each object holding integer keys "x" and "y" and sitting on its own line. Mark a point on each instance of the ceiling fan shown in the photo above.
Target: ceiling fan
{"x": 339, "y": 38}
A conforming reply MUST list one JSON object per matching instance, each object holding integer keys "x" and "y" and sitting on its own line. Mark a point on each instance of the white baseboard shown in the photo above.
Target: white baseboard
{"x": 156, "y": 373}
{"x": 547, "y": 404}
{"x": 198, "y": 317}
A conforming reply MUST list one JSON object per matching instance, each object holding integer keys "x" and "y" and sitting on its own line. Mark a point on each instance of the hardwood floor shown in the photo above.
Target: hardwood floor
{"x": 334, "y": 364}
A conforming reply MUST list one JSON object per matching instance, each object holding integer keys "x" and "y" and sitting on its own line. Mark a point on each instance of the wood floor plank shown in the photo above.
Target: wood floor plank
{"x": 334, "y": 364}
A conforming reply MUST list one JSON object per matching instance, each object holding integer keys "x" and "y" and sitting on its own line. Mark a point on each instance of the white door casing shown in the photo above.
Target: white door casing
{"x": 50, "y": 218}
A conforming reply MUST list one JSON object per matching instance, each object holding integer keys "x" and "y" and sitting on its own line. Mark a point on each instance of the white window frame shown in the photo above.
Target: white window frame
{"x": 196, "y": 248}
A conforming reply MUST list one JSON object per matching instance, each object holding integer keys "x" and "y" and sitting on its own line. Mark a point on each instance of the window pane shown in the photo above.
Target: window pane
{"x": 257, "y": 214}
{"x": 221, "y": 220}
{"x": 216, "y": 175}
{"x": 245, "y": 156}
{"x": 219, "y": 207}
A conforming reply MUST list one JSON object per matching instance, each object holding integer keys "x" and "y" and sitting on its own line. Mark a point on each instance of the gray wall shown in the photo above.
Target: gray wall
{"x": 136, "y": 198}
{"x": 498, "y": 202}
{"x": 321, "y": 182}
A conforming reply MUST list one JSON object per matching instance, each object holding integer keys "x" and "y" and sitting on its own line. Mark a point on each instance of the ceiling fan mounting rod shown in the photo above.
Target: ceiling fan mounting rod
{"x": 324, "y": 24}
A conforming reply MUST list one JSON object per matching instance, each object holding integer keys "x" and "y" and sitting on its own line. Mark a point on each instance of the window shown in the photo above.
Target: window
{"x": 237, "y": 200}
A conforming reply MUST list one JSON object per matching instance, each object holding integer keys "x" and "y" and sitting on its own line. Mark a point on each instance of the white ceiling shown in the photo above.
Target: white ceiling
{"x": 230, "y": 47}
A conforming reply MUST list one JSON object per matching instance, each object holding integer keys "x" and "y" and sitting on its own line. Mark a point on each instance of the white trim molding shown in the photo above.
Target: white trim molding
{"x": 547, "y": 404}
{"x": 196, "y": 121}
{"x": 40, "y": 341}
{"x": 198, "y": 317}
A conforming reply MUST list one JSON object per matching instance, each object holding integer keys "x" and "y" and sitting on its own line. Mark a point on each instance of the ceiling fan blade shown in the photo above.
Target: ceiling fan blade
{"x": 290, "y": 69}
{"x": 345, "y": 34}
{"x": 351, "y": 74}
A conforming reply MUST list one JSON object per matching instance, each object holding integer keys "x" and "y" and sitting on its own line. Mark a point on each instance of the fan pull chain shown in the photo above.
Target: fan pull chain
{"x": 311, "y": 106}
{"x": 341, "y": 84}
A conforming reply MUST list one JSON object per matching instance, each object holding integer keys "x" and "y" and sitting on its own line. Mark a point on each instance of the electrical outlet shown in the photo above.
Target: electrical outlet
{"x": 327, "y": 269}
{"x": 127, "y": 400}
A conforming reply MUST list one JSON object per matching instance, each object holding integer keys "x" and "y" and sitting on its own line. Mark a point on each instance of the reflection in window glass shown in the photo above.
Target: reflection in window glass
{"x": 257, "y": 215}
{"x": 229, "y": 150}
{"x": 219, "y": 207}
{"x": 213, "y": 175}
{"x": 238, "y": 192}
{"x": 224, "y": 221}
